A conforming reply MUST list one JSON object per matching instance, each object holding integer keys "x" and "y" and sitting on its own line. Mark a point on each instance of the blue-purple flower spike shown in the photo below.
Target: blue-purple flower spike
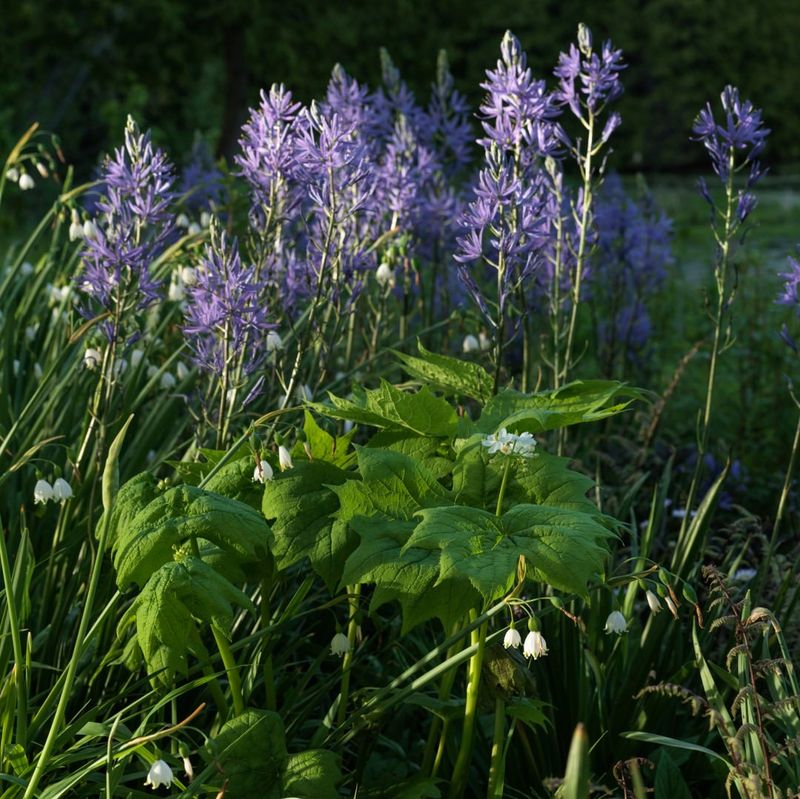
{"x": 135, "y": 225}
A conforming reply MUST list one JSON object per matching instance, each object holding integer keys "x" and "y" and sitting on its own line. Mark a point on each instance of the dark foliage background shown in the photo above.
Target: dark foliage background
{"x": 182, "y": 66}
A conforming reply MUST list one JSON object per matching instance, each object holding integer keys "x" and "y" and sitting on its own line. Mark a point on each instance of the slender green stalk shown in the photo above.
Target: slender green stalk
{"x": 267, "y": 670}
{"x": 458, "y": 782}
{"x": 354, "y": 592}
{"x": 231, "y": 669}
{"x": 20, "y": 670}
{"x": 721, "y": 280}
{"x": 787, "y": 483}
{"x": 497, "y": 761}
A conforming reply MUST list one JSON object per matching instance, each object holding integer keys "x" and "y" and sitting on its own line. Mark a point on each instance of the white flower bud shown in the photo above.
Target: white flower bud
{"x": 26, "y": 268}
{"x": 92, "y": 358}
{"x": 42, "y": 169}
{"x": 62, "y": 490}
{"x": 168, "y": 381}
{"x": 31, "y": 331}
{"x": 160, "y": 774}
{"x": 75, "y": 227}
{"x": 42, "y": 492}
{"x": 262, "y": 472}
{"x": 182, "y": 221}
{"x": 26, "y": 182}
{"x": 512, "y": 638}
{"x": 188, "y": 276}
{"x": 152, "y": 371}
{"x": 274, "y": 341}
{"x": 284, "y": 458}
{"x": 12, "y": 174}
{"x": 194, "y": 229}
{"x": 340, "y": 645}
{"x": 136, "y": 357}
{"x": 175, "y": 292}
{"x": 484, "y": 341}
{"x": 90, "y": 230}
{"x": 181, "y": 371}
{"x": 470, "y": 344}
{"x": 673, "y": 609}
{"x": 205, "y": 219}
{"x": 384, "y": 275}
{"x": 653, "y": 601}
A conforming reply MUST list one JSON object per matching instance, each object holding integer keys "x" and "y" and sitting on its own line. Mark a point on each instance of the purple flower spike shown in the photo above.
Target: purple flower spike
{"x": 134, "y": 226}
{"x": 226, "y": 321}
{"x": 742, "y": 131}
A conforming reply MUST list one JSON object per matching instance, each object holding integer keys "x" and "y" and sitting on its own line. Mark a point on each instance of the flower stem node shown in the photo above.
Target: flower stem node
{"x": 340, "y": 645}
{"x": 160, "y": 774}
{"x": 616, "y": 623}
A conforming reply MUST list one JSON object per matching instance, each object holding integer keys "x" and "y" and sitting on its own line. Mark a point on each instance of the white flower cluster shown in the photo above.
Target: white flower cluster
{"x": 534, "y": 647}
{"x": 523, "y": 444}
{"x": 60, "y": 491}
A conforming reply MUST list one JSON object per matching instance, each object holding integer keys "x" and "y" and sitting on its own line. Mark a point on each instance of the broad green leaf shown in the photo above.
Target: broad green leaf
{"x": 561, "y": 547}
{"x": 575, "y": 403}
{"x": 407, "y": 575}
{"x": 131, "y": 498}
{"x": 430, "y": 453}
{"x": 146, "y": 539}
{"x": 250, "y": 751}
{"x": 541, "y": 480}
{"x": 324, "y": 446}
{"x": 177, "y": 595}
{"x": 528, "y": 710}
{"x": 669, "y": 781}
{"x": 302, "y": 502}
{"x": 390, "y": 408}
{"x": 451, "y": 376}
{"x": 235, "y": 481}
{"x": 313, "y": 774}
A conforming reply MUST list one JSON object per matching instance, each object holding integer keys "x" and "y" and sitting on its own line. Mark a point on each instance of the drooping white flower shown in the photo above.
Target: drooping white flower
{"x": 26, "y": 182}
{"x": 168, "y": 381}
{"x": 384, "y": 275}
{"x": 340, "y": 645}
{"x": 75, "y": 227}
{"x": 653, "y": 601}
{"x": 512, "y": 639}
{"x": 42, "y": 169}
{"x": 615, "y": 623}
{"x": 673, "y": 608}
{"x": 175, "y": 292}
{"x": 535, "y": 646}
{"x": 92, "y": 358}
{"x": 188, "y": 276}
{"x": 194, "y": 229}
{"x": 484, "y": 341}
{"x": 205, "y": 219}
{"x": 262, "y": 472}
{"x": 160, "y": 774}
{"x": 42, "y": 492}
{"x": 284, "y": 458}
{"x": 274, "y": 341}
{"x": 188, "y": 768}
{"x": 90, "y": 230}
{"x": 62, "y": 490}
{"x": 26, "y": 268}
{"x": 470, "y": 344}
{"x": 181, "y": 371}
{"x": 182, "y": 221}
{"x": 12, "y": 174}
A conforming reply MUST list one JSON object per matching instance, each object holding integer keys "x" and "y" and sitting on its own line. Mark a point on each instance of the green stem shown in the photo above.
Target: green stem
{"x": 498, "y": 511}
{"x": 268, "y": 672}
{"x": 20, "y": 670}
{"x": 497, "y": 762}
{"x": 231, "y": 669}
{"x": 354, "y": 592}
{"x": 458, "y": 782}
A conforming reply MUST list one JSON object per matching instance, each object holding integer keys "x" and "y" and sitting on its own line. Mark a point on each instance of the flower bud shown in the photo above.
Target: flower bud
{"x": 26, "y": 182}
{"x": 75, "y": 228}
{"x": 167, "y": 381}
{"x": 653, "y": 601}
{"x": 90, "y": 230}
{"x": 284, "y": 458}
{"x": 470, "y": 344}
{"x": 12, "y": 174}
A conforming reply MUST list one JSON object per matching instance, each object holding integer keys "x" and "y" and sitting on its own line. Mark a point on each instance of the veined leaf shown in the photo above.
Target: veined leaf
{"x": 235, "y": 481}
{"x": 146, "y": 539}
{"x": 325, "y": 447}
{"x": 577, "y": 402}
{"x": 406, "y": 574}
{"x": 251, "y": 753}
{"x": 303, "y": 501}
{"x": 561, "y": 547}
{"x": 390, "y": 408}
{"x": 313, "y": 774}
{"x": 176, "y": 596}
{"x": 430, "y": 453}
{"x": 451, "y": 376}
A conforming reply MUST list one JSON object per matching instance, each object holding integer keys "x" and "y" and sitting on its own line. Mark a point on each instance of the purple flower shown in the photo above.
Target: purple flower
{"x": 135, "y": 225}
{"x": 588, "y": 80}
{"x": 201, "y": 181}
{"x": 741, "y": 132}
{"x": 226, "y": 320}
{"x": 448, "y": 126}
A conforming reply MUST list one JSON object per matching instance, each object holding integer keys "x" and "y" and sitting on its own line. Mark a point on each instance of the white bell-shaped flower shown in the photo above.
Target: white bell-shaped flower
{"x": 160, "y": 774}
{"x": 340, "y": 645}
{"x": 616, "y": 623}
{"x": 512, "y": 639}
{"x": 26, "y": 182}
{"x": 384, "y": 275}
{"x": 42, "y": 492}
{"x": 653, "y": 601}
{"x": 274, "y": 341}
{"x": 470, "y": 344}
{"x": 62, "y": 490}
{"x": 92, "y": 358}
{"x": 535, "y": 646}
{"x": 75, "y": 227}
{"x": 284, "y": 458}
{"x": 262, "y": 472}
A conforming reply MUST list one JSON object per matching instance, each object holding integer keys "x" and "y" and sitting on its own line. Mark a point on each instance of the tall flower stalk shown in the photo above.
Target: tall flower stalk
{"x": 733, "y": 146}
